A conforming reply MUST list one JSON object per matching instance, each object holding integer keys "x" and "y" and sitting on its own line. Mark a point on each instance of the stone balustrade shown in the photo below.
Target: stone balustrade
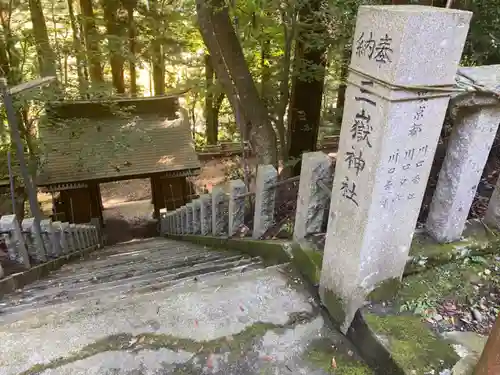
{"x": 28, "y": 248}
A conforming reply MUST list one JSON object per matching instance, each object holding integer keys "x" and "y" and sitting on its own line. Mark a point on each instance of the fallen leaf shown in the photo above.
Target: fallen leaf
{"x": 334, "y": 363}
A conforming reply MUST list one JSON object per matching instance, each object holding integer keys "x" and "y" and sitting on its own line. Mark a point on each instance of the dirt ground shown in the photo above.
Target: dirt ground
{"x": 128, "y": 211}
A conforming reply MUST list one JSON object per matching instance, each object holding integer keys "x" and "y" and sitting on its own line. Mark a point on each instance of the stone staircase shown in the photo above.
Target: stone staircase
{"x": 135, "y": 267}
{"x": 160, "y": 306}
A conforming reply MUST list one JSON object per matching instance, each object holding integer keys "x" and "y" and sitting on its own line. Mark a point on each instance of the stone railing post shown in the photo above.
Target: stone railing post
{"x": 76, "y": 237}
{"x": 86, "y": 235}
{"x": 60, "y": 237}
{"x": 12, "y": 233}
{"x": 390, "y": 129}
{"x": 33, "y": 240}
{"x": 206, "y": 214}
{"x": 476, "y": 117}
{"x": 189, "y": 218}
{"x": 68, "y": 234}
{"x": 219, "y": 217}
{"x": 176, "y": 229}
{"x": 265, "y": 195}
{"x": 313, "y": 201}
{"x": 236, "y": 206}
{"x": 184, "y": 220}
{"x": 48, "y": 237}
{"x": 492, "y": 215}
{"x": 197, "y": 216}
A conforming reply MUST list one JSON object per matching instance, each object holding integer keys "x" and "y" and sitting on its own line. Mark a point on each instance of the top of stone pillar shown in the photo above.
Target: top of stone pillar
{"x": 487, "y": 76}
{"x": 409, "y": 44}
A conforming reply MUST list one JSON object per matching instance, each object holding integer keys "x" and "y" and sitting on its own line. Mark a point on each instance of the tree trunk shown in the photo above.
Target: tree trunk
{"x": 344, "y": 72}
{"x": 307, "y": 93}
{"x": 233, "y": 73}
{"x": 77, "y": 50}
{"x": 130, "y": 6}
{"x": 265, "y": 50}
{"x": 115, "y": 43}
{"x": 210, "y": 125}
{"x": 45, "y": 53}
{"x": 92, "y": 43}
{"x": 158, "y": 56}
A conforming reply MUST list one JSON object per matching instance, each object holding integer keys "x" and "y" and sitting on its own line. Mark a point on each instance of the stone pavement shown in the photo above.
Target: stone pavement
{"x": 164, "y": 307}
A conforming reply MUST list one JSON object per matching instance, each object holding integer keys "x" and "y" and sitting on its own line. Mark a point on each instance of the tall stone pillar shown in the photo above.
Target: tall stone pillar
{"x": 476, "y": 117}
{"x": 402, "y": 69}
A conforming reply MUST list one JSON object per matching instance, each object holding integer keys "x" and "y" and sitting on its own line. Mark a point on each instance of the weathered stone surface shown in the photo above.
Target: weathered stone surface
{"x": 189, "y": 218}
{"x": 236, "y": 206}
{"x": 49, "y": 239}
{"x": 313, "y": 201}
{"x": 60, "y": 237}
{"x": 33, "y": 240}
{"x": 178, "y": 221}
{"x": 232, "y": 322}
{"x": 468, "y": 149}
{"x": 14, "y": 239}
{"x": 387, "y": 144}
{"x": 219, "y": 211}
{"x": 197, "y": 216}
{"x": 70, "y": 238}
{"x": 265, "y": 195}
{"x": 492, "y": 215}
{"x": 75, "y": 234}
{"x": 184, "y": 219}
{"x": 425, "y": 43}
{"x": 206, "y": 214}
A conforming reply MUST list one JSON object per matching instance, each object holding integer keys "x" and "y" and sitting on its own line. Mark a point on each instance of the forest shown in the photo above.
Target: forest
{"x": 271, "y": 72}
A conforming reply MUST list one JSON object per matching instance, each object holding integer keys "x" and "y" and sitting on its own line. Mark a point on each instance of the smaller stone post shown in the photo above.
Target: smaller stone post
{"x": 60, "y": 237}
{"x": 476, "y": 117}
{"x": 68, "y": 235}
{"x": 35, "y": 247}
{"x": 492, "y": 215}
{"x": 219, "y": 218}
{"x": 177, "y": 222}
{"x": 183, "y": 220}
{"x": 189, "y": 218}
{"x": 51, "y": 245}
{"x": 206, "y": 214}
{"x": 76, "y": 237}
{"x": 10, "y": 228}
{"x": 197, "y": 216}
{"x": 313, "y": 202}
{"x": 237, "y": 188}
{"x": 265, "y": 194}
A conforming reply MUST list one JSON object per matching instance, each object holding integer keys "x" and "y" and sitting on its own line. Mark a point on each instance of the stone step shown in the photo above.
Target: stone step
{"x": 127, "y": 272}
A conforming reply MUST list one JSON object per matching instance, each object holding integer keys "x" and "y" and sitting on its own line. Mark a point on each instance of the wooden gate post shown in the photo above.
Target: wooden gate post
{"x": 489, "y": 363}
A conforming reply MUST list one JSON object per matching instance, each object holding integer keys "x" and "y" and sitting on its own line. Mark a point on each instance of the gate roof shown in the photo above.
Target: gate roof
{"x": 85, "y": 141}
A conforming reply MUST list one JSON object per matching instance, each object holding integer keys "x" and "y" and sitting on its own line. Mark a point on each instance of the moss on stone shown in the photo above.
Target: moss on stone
{"x": 385, "y": 290}
{"x": 414, "y": 347}
{"x": 334, "y": 305}
{"x": 243, "y": 341}
{"x": 321, "y": 352}
{"x": 308, "y": 262}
